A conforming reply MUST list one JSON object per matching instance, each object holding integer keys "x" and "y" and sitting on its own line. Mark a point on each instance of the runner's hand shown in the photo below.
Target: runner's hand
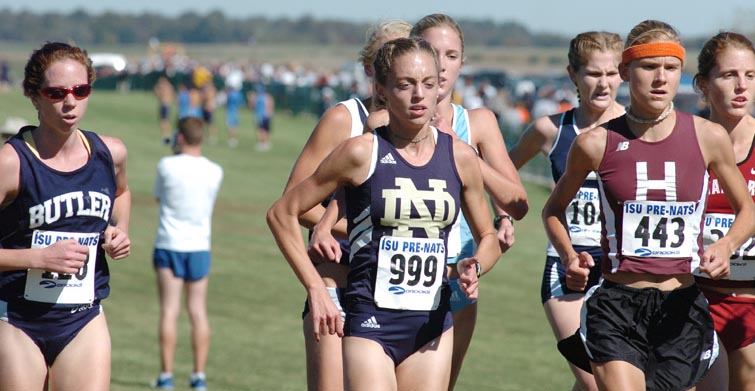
{"x": 323, "y": 247}
{"x": 468, "y": 277}
{"x": 116, "y": 243}
{"x": 715, "y": 260}
{"x": 64, "y": 256}
{"x": 505, "y": 235}
{"x": 578, "y": 271}
{"x": 326, "y": 319}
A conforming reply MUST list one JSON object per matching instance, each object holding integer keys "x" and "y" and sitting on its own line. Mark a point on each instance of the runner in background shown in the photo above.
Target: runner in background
{"x": 594, "y": 59}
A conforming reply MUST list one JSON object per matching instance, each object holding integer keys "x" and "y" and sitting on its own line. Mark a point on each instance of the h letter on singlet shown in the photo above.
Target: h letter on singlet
{"x": 668, "y": 183}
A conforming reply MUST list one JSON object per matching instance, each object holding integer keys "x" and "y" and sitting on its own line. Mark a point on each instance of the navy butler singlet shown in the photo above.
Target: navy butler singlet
{"x": 52, "y": 205}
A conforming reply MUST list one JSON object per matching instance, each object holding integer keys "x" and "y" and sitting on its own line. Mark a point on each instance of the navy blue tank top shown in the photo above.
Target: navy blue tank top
{"x": 78, "y": 202}
{"x": 567, "y": 132}
{"x": 399, "y": 200}
{"x": 583, "y": 212}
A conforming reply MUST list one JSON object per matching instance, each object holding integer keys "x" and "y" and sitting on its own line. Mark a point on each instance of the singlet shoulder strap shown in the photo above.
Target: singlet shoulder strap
{"x": 567, "y": 118}
{"x": 362, "y": 110}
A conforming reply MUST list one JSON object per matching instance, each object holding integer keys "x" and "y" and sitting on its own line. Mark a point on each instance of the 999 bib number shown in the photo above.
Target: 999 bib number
{"x": 414, "y": 271}
{"x": 409, "y": 273}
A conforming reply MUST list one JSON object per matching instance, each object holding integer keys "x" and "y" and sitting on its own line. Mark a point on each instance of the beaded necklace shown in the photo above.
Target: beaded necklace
{"x": 660, "y": 118}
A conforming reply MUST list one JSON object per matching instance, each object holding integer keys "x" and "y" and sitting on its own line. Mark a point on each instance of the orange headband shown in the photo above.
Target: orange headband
{"x": 653, "y": 49}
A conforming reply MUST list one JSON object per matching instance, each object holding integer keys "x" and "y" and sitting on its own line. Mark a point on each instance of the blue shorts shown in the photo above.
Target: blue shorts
{"x": 554, "y": 279}
{"x": 232, "y": 117}
{"x": 264, "y": 124}
{"x": 459, "y": 299}
{"x": 51, "y": 329}
{"x": 207, "y": 116}
{"x": 190, "y": 266}
{"x": 400, "y": 333}
{"x": 164, "y": 111}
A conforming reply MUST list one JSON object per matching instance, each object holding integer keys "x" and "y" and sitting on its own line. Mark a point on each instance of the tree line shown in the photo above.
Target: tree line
{"x": 215, "y": 27}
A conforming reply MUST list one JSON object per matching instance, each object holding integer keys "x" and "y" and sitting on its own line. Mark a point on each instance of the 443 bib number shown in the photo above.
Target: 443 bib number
{"x": 658, "y": 229}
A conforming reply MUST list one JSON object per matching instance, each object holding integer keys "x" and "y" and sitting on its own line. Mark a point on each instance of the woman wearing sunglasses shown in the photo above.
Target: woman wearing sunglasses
{"x": 64, "y": 203}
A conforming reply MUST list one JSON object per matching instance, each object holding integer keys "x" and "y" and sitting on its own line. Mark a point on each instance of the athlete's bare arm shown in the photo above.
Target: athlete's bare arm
{"x": 584, "y": 156}
{"x": 719, "y": 156}
{"x": 489, "y": 142}
{"x": 348, "y": 164}
{"x": 117, "y": 243}
{"x": 333, "y": 128}
{"x": 538, "y": 137}
{"x": 476, "y": 212}
{"x": 65, "y": 256}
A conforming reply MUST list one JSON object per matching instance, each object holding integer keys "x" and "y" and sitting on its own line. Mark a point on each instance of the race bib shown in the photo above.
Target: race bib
{"x": 715, "y": 227}
{"x": 658, "y": 229}
{"x": 410, "y": 273}
{"x": 583, "y": 216}
{"x": 50, "y": 287}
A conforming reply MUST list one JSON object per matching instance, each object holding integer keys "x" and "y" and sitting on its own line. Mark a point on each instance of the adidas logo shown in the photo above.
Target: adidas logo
{"x": 372, "y": 322}
{"x": 388, "y": 159}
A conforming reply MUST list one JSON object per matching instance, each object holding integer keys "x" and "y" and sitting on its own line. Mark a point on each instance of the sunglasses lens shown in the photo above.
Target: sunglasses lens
{"x": 82, "y": 91}
{"x": 55, "y": 93}
{"x": 59, "y": 93}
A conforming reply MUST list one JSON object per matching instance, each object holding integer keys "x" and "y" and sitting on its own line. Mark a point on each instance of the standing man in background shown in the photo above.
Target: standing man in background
{"x": 186, "y": 187}
{"x": 263, "y": 106}
{"x": 165, "y": 94}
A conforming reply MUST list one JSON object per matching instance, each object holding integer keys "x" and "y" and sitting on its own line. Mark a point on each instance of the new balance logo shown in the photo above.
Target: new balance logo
{"x": 388, "y": 159}
{"x": 623, "y": 146}
{"x": 371, "y": 322}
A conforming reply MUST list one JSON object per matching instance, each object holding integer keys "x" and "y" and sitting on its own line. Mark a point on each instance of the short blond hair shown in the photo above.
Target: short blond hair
{"x": 652, "y": 31}
{"x": 379, "y": 35}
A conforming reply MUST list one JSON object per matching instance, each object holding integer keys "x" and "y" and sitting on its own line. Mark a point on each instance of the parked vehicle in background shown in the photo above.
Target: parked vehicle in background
{"x": 108, "y": 64}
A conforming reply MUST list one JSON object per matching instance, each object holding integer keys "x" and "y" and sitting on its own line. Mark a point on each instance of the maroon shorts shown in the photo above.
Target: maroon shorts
{"x": 733, "y": 318}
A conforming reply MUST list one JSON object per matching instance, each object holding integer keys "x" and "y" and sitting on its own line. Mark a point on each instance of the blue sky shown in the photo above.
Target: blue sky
{"x": 692, "y": 18}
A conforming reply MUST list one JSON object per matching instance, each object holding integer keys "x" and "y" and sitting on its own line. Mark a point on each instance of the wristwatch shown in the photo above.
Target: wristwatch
{"x": 498, "y": 218}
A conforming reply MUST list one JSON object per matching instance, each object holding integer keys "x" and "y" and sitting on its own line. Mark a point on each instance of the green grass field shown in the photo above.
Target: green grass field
{"x": 255, "y": 301}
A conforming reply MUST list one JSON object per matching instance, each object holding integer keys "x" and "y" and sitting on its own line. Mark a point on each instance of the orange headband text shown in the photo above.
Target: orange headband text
{"x": 653, "y": 49}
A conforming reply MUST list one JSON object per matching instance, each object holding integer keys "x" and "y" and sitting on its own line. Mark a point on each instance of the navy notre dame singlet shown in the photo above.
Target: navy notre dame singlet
{"x": 398, "y": 223}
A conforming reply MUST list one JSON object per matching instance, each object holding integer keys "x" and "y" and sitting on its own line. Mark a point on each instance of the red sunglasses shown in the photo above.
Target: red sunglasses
{"x": 80, "y": 91}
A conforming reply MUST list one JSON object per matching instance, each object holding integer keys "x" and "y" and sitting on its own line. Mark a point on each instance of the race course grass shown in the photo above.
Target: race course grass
{"x": 255, "y": 301}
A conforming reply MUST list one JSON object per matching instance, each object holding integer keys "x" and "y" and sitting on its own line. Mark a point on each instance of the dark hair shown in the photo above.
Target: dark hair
{"x": 396, "y": 48}
{"x": 42, "y": 58}
{"x": 192, "y": 130}
{"x": 708, "y": 56}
